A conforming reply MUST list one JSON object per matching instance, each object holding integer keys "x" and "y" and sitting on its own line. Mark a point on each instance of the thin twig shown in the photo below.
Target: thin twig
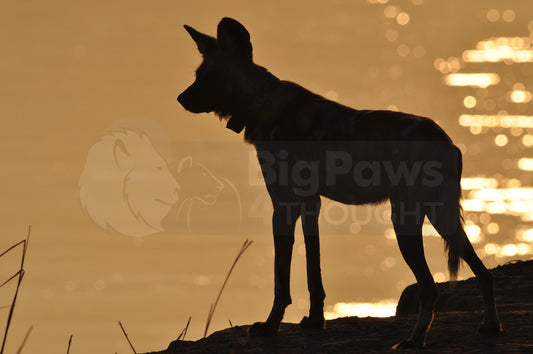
{"x": 25, "y": 247}
{"x": 69, "y": 341}
{"x": 10, "y": 248}
{"x": 184, "y": 331}
{"x": 24, "y": 340}
{"x": 230, "y": 324}
{"x": 127, "y": 338}
{"x": 21, "y": 276}
{"x": 17, "y": 274}
{"x": 245, "y": 245}
{"x": 209, "y": 316}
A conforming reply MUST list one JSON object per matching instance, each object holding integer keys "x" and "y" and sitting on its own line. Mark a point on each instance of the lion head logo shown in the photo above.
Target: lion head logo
{"x": 126, "y": 185}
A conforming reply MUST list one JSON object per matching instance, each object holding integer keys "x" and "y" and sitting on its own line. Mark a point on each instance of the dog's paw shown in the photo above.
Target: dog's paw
{"x": 490, "y": 329}
{"x": 261, "y": 329}
{"x": 313, "y": 322}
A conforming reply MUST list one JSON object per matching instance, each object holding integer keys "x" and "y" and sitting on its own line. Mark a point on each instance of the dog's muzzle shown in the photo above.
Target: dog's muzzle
{"x": 187, "y": 101}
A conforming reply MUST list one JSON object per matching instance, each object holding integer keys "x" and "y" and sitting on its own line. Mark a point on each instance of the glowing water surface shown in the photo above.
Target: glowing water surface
{"x": 384, "y": 308}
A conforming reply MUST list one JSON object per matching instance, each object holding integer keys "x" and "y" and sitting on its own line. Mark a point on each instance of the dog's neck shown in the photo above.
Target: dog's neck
{"x": 258, "y": 97}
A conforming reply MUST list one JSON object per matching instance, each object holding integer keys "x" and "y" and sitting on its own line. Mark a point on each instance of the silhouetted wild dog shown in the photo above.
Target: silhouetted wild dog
{"x": 309, "y": 147}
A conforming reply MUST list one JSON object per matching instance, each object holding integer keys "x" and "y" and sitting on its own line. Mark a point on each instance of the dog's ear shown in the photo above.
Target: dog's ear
{"x": 234, "y": 38}
{"x": 185, "y": 163}
{"x": 204, "y": 42}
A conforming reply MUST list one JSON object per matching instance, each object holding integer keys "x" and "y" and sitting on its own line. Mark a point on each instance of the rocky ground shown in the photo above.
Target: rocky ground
{"x": 454, "y": 328}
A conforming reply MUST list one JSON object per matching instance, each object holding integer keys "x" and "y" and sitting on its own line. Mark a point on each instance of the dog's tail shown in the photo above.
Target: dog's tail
{"x": 455, "y": 242}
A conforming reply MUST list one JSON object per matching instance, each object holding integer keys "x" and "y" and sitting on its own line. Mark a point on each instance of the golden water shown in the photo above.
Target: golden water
{"x": 72, "y": 69}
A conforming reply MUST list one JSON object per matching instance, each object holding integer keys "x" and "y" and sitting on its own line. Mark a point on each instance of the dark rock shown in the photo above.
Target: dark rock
{"x": 465, "y": 295}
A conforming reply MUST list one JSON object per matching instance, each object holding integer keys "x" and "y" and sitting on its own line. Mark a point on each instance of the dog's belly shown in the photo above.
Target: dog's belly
{"x": 350, "y": 193}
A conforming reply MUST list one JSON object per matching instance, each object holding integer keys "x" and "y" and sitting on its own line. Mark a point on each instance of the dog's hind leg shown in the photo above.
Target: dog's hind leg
{"x": 491, "y": 322}
{"x": 446, "y": 218}
{"x": 407, "y": 221}
{"x": 283, "y": 222}
{"x": 310, "y": 212}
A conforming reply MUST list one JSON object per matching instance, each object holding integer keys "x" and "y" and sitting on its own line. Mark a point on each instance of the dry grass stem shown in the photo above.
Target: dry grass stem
{"x": 127, "y": 338}
{"x": 184, "y": 331}
{"x": 20, "y": 273}
{"x": 20, "y": 277}
{"x": 69, "y": 342}
{"x": 244, "y": 247}
{"x": 10, "y": 248}
{"x": 24, "y": 340}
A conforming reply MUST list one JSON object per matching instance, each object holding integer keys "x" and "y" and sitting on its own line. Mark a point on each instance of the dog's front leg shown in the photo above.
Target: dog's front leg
{"x": 283, "y": 222}
{"x": 310, "y": 212}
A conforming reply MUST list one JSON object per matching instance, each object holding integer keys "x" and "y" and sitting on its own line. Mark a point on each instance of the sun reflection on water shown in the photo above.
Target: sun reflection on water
{"x": 506, "y": 201}
{"x": 384, "y": 308}
{"x": 507, "y": 49}
{"x": 483, "y": 195}
{"x": 525, "y": 164}
{"x": 500, "y": 120}
{"x": 498, "y": 209}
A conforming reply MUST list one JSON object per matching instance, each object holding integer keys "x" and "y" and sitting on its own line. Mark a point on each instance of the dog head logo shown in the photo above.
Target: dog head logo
{"x": 126, "y": 185}
{"x": 198, "y": 182}
{"x": 201, "y": 192}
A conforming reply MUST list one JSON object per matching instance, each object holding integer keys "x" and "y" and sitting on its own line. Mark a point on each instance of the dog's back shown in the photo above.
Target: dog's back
{"x": 293, "y": 113}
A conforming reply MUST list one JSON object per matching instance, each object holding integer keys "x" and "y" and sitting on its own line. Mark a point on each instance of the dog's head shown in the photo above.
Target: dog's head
{"x": 222, "y": 78}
